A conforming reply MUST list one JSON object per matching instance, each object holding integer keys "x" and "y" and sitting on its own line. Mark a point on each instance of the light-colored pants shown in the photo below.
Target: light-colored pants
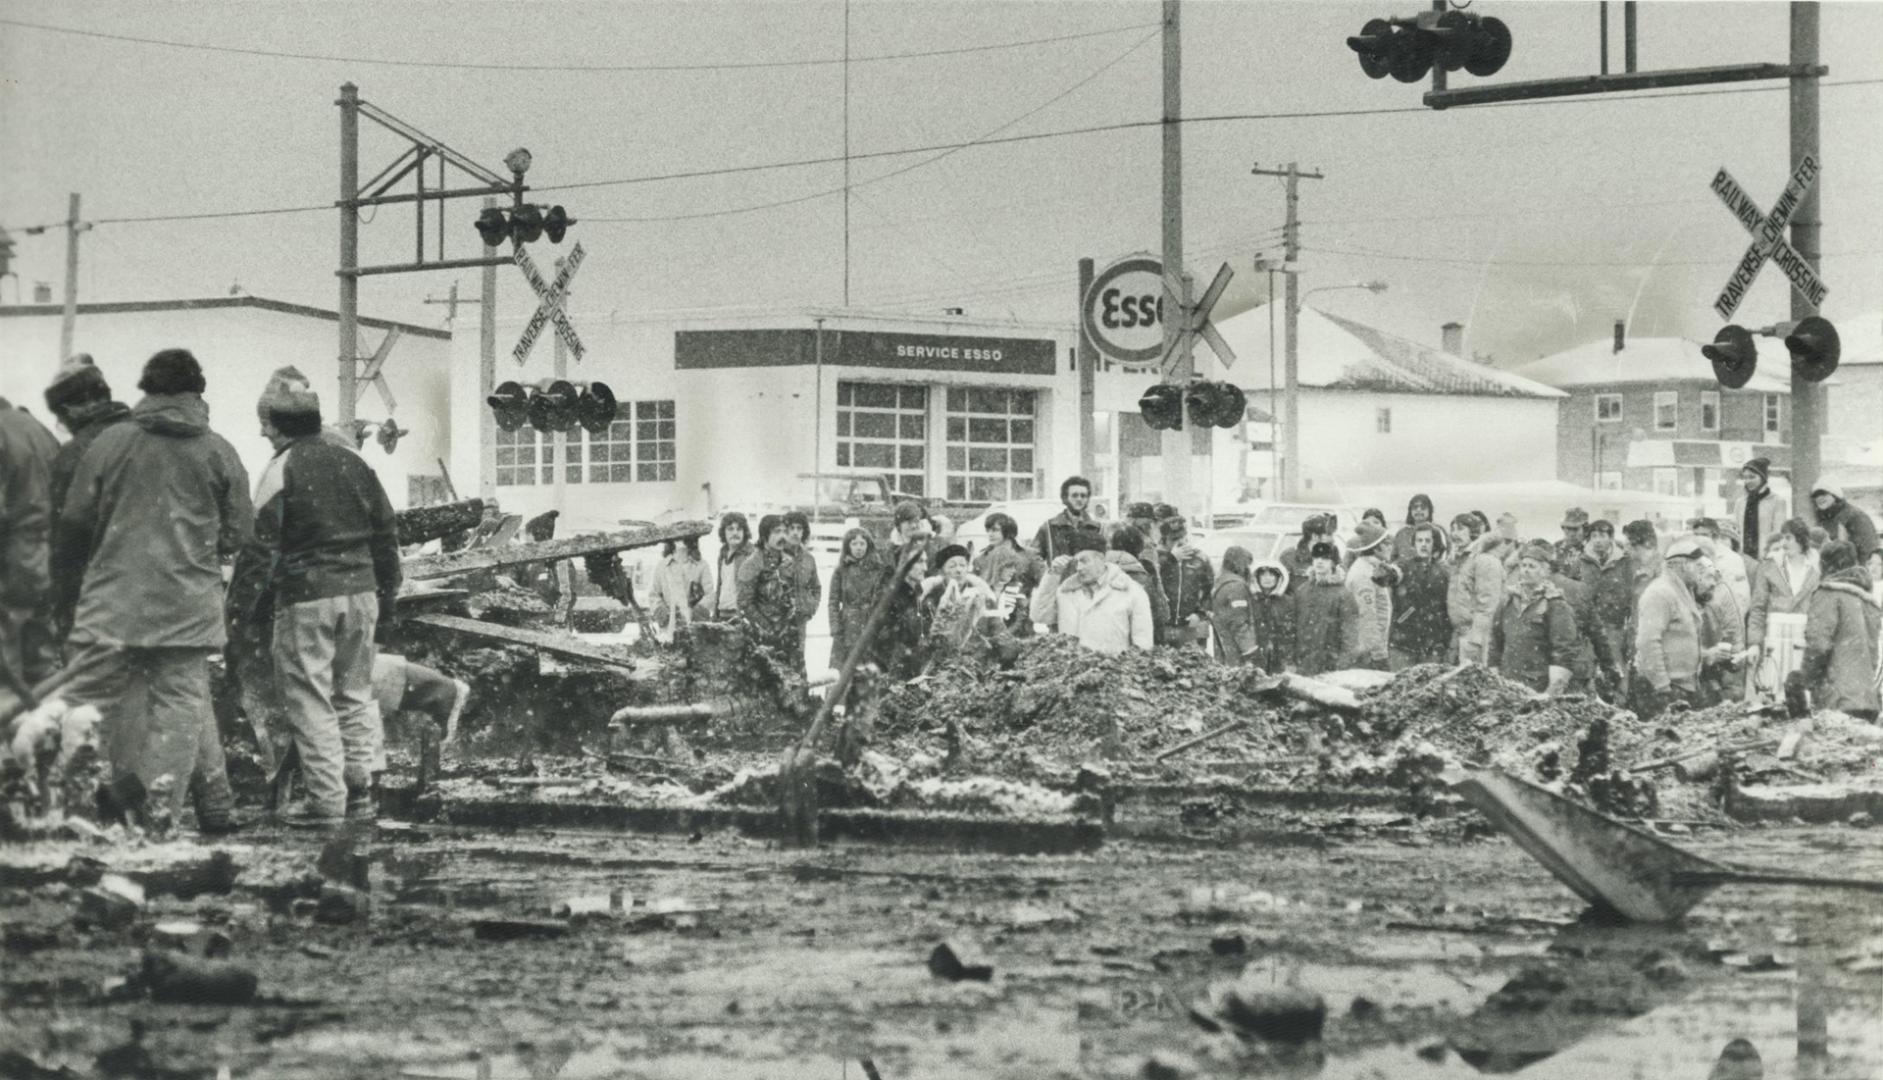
{"x": 157, "y": 718}
{"x": 323, "y": 653}
{"x": 1784, "y": 653}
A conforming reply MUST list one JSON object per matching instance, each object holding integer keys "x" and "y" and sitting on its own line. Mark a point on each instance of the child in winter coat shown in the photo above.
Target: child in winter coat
{"x": 1229, "y": 608}
{"x": 1272, "y": 615}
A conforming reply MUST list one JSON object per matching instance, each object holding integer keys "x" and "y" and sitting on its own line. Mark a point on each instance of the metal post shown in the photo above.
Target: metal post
{"x": 1291, "y": 362}
{"x": 70, "y": 319}
{"x": 487, "y": 378}
{"x": 1176, "y": 443}
{"x": 817, "y": 407}
{"x": 349, "y": 250}
{"x": 1274, "y": 417}
{"x": 1628, "y": 35}
{"x": 1087, "y": 359}
{"x": 1604, "y": 6}
{"x": 559, "y": 440}
{"x": 1807, "y": 398}
{"x": 1438, "y": 70}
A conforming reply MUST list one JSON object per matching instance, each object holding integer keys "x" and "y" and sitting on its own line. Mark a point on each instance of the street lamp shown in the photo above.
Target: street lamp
{"x": 1375, "y": 287}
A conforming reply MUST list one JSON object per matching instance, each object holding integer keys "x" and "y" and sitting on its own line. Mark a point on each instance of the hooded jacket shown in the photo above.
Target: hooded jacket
{"x": 1421, "y": 609}
{"x": 1402, "y": 539}
{"x": 1534, "y": 630}
{"x": 1188, "y": 580}
{"x": 86, "y": 422}
{"x": 1841, "y": 624}
{"x": 156, "y": 504}
{"x": 323, "y": 528}
{"x": 25, "y": 511}
{"x": 1847, "y": 522}
{"x": 1475, "y": 589}
{"x": 854, "y": 587}
{"x": 1667, "y": 633}
{"x": 1231, "y": 616}
{"x": 1772, "y": 593}
{"x": 1327, "y": 624}
{"x": 1110, "y": 616}
{"x": 1375, "y": 603}
{"x": 1272, "y": 616}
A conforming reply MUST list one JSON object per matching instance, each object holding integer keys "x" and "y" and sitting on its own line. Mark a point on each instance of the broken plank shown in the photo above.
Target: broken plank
{"x": 426, "y": 567}
{"x": 565, "y": 645}
{"x": 421, "y": 523}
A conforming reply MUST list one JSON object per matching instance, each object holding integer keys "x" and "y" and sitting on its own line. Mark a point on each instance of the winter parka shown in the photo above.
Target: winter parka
{"x": 1327, "y": 625}
{"x": 770, "y": 598}
{"x": 1188, "y": 581}
{"x": 1054, "y": 537}
{"x": 1473, "y": 593}
{"x": 1667, "y": 633}
{"x": 1841, "y": 623}
{"x": 1272, "y": 616}
{"x": 1404, "y": 547}
{"x": 1845, "y": 521}
{"x": 1770, "y": 512}
{"x": 1533, "y": 631}
{"x": 324, "y": 528}
{"x": 1772, "y": 594}
{"x": 1108, "y": 617}
{"x": 1374, "y": 601}
{"x": 156, "y": 505}
{"x": 1230, "y": 618}
{"x": 1421, "y": 615}
{"x": 25, "y": 514}
{"x": 854, "y": 587}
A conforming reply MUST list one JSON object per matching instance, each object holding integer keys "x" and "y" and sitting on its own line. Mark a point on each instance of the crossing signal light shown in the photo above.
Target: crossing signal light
{"x": 555, "y": 223}
{"x": 595, "y": 407}
{"x": 510, "y": 403}
{"x": 492, "y": 226}
{"x": 1734, "y": 356}
{"x": 1216, "y": 404}
{"x": 1408, "y": 49}
{"x": 553, "y": 407}
{"x": 6, "y": 253}
{"x": 389, "y": 434}
{"x": 1162, "y": 407}
{"x": 524, "y": 224}
{"x": 1814, "y": 348}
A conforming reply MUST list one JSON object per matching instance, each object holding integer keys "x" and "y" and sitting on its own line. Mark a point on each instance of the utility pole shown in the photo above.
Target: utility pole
{"x": 1291, "y": 329}
{"x": 1176, "y": 443}
{"x": 349, "y": 251}
{"x": 1087, "y": 360}
{"x": 73, "y": 226}
{"x": 487, "y": 376}
{"x": 559, "y": 440}
{"x": 1807, "y": 398}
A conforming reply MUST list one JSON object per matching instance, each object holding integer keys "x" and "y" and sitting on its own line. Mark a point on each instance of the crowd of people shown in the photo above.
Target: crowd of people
{"x": 137, "y": 551}
{"x": 115, "y": 545}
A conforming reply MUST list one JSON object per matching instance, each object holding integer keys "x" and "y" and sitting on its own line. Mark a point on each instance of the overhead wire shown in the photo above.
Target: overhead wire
{"x": 738, "y": 65}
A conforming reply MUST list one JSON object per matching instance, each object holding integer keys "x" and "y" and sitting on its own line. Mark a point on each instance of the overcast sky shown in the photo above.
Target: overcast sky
{"x": 1538, "y": 224}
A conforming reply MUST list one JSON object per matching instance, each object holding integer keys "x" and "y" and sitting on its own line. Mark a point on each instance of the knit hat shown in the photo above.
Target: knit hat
{"x": 1366, "y": 537}
{"x": 1322, "y": 549}
{"x": 1540, "y": 550}
{"x": 1165, "y": 511}
{"x": 288, "y": 391}
{"x": 1762, "y": 466}
{"x": 1139, "y": 510}
{"x": 1826, "y": 488}
{"x": 1575, "y": 518}
{"x": 940, "y": 561}
{"x": 78, "y": 379}
{"x": 1836, "y": 555}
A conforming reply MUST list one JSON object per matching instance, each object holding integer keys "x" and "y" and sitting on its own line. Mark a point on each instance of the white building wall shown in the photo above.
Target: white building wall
{"x": 239, "y": 347}
{"x": 1453, "y": 438}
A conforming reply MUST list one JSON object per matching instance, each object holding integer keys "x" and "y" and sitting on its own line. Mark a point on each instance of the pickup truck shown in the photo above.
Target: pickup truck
{"x": 849, "y": 500}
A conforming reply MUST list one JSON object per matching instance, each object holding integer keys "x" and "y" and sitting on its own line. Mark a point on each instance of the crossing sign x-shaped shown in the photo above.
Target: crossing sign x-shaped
{"x": 1196, "y": 317}
{"x": 1768, "y": 240}
{"x": 550, "y": 298}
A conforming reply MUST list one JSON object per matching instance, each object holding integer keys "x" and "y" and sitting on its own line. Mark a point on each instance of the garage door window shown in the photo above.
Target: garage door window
{"x": 990, "y": 444}
{"x": 883, "y": 428}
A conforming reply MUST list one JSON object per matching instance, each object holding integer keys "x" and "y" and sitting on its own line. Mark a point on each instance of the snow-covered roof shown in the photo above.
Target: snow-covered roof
{"x": 1336, "y": 353}
{"x": 1654, "y": 360}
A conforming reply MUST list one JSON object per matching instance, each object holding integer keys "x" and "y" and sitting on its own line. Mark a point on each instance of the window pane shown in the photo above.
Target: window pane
{"x": 843, "y": 423}
{"x": 874, "y": 456}
{"x": 912, "y": 457}
{"x": 506, "y": 456}
{"x": 876, "y": 395}
{"x": 1023, "y": 488}
{"x": 958, "y": 487}
{"x": 957, "y": 429}
{"x": 1022, "y": 432}
{"x": 987, "y": 461}
{"x": 987, "y": 489}
{"x": 957, "y": 399}
{"x": 1022, "y": 402}
{"x": 844, "y": 392}
{"x": 912, "y": 426}
{"x": 843, "y": 454}
{"x": 987, "y": 431}
{"x": 987, "y": 401}
{"x": 957, "y": 459}
{"x": 915, "y": 397}
{"x": 1021, "y": 461}
{"x": 913, "y": 484}
{"x": 871, "y": 425}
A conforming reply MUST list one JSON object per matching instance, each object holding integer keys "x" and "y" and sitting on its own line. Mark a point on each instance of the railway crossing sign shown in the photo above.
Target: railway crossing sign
{"x": 374, "y": 374}
{"x": 1196, "y": 317}
{"x": 1125, "y": 308}
{"x": 1768, "y": 242}
{"x": 550, "y": 298}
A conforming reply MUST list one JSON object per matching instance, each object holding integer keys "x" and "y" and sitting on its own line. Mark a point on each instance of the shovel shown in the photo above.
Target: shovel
{"x": 1608, "y": 863}
{"x": 797, "y": 791}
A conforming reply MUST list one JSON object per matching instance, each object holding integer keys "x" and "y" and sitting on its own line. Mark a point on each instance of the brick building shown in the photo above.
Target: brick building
{"x": 1648, "y": 415}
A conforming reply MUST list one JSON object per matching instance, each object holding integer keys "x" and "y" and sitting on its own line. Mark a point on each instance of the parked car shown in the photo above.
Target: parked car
{"x": 1265, "y": 542}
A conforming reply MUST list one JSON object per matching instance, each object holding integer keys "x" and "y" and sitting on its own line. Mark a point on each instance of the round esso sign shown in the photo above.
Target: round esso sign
{"x": 1124, "y": 310}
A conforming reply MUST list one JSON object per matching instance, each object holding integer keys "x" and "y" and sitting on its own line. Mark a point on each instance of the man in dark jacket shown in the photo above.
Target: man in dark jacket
{"x": 810, "y": 587}
{"x": 157, "y": 504}
{"x": 1843, "y": 520}
{"x": 1841, "y": 623}
{"x": 1575, "y": 538}
{"x": 1298, "y": 560}
{"x": 1421, "y": 620}
{"x": 325, "y": 561}
{"x": 1054, "y": 537}
{"x": 1418, "y": 513}
{"x": 1609, "y": 574}
{"x": 1130, "y": 541}
{"x": 1327, "y": 619}
{"x": 1188, "y": 580}
{"x": 1533, "y": 634}
{"x": 25, "y": 519}
{"x": 81, "y": 400}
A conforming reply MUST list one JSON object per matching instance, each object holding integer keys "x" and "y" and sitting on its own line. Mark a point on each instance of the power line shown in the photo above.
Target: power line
{"x": 1128, "y": 125}
{"x": 1613, "y": 263}
{"x": 747, "y": 65}
{"x": 980, "y": 140}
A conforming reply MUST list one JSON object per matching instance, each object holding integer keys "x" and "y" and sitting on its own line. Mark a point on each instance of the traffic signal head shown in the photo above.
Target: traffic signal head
{"x": 492, "y": 227}
{"x": 553, "y": 407}
{"x": 1372, "y": 43}
{"x": 1734, "y": 356}
{"x": 1814, "y": 348}
{"x": 1407, "y": 48}
{"x": 1215, "y": 404}
{"x": 389, "y": 434}
{"x": 510, "y": 404}
{"x": 1162, "y": 407}
{"x": 526, "y": 224}
{"x": 595, "y": 408}
{"x": 556, "y": 223}
{"x": 1490, "y": 46}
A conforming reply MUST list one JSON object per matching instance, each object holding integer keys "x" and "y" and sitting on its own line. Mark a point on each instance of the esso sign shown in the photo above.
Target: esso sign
{"x": 1124, "y": 310}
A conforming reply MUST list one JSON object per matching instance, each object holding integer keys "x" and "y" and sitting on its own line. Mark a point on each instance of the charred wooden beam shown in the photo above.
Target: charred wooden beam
{"x": 427, "y": 567}
{"x": 564, "y": 645}
{"x": 422, "y": 523}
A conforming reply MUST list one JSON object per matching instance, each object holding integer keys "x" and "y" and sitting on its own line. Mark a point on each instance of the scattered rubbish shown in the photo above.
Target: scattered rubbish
{"x": 1169, "y": 1065}
{"x": 341, "y": 905}
{"x": 1253, "y": 1007}
{"x": 954, "y": 961}
{"x": 176, "y": 979}
{"x": 608, "y": 903}
{"x": 1229, "y": 945}
{"x": 505, "y": 929}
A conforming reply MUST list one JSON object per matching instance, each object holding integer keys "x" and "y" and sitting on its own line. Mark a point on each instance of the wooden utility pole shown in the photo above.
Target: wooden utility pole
{"x": 559, "y": 440}
{"x": 1087, "y": 360}
{"x": 1291, "y": 329}
{"x": 487, "y": 377}
{"x": 67, "y": 323}
{"x": 349, "y": 251}
{"x": 1807, "y": 398}
{"x": 1176, "y": 443}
